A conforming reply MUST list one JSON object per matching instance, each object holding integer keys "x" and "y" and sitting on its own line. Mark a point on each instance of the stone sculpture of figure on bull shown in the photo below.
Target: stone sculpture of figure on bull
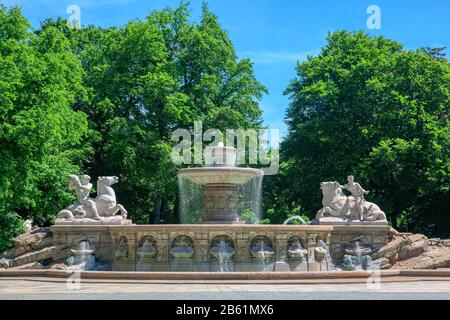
{"x": 338, "y": 208}
{"x": 102, "y": 209}
{"x": 358, "y": 195}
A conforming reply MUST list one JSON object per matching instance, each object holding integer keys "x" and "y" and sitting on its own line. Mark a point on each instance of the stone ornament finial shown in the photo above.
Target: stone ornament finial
{"x": 101, "y": 210}
{"x": 339, "y": 208}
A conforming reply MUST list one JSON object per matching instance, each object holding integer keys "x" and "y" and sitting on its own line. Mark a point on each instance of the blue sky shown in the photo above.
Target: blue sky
{"x": 275, "y": 34}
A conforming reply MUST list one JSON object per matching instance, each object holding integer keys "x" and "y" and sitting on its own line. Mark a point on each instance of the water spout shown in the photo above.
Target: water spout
{"x": 82, "y": 258}
{"x": 263, "y": 254}
{"x": 223, "y": 256}
{"x": 358, "y": 255}
{"x": 293, "y": 219}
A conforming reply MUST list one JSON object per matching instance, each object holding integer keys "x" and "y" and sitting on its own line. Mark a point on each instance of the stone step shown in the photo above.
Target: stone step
{"x": 53, "y": 252}
{"x": 28, "y": 266}
{"x": 17, "y": 251}
{"x": 4, "y": 263}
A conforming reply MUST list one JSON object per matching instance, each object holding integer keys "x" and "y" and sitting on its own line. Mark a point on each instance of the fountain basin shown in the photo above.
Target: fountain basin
{"x": 220, "y": 156}
{"x": 81, "y": 252}
{"x": 221, "y": 193}
{"x": 226, "y": 253}
{"x": 147, "y": 255}
{"x": 203, "y": 238}
{"x": 228, "y": 191}
{"x": 220, "y": 175}
{"x": 267, "y": 253}
{"x": 182, "y": 253}
{"x": 361, "y": 250}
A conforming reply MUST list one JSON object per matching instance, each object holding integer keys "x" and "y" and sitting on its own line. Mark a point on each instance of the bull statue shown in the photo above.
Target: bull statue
{"x": 340, "y": 207}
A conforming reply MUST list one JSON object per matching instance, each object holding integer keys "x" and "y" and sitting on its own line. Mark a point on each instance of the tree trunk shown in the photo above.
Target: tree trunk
{"x": 157, "y": 211}
{"x": 394, "y": 219}
{"x": 162, "y": 215}
{"x": 176, "y": 210}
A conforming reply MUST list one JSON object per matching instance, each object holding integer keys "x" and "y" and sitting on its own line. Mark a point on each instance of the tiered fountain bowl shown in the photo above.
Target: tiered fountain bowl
{"x": 220, "y": 179}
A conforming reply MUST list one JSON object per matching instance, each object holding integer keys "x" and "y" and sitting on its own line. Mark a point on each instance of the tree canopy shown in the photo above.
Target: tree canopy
{"x": 368, "y": 107}
{"x": 149, "y": 78}
{"x": 42, "y": 139}
{"x": 105, "y": 101}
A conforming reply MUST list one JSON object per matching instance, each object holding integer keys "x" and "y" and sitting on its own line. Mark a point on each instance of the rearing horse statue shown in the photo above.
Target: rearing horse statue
{"x": 104, "y": 205}
{"x": 106, "y": 199}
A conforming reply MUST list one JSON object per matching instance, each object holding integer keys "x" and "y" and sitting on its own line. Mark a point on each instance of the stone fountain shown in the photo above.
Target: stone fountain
{"x": 346, "y": 228}
{"x": 220, "y": 180}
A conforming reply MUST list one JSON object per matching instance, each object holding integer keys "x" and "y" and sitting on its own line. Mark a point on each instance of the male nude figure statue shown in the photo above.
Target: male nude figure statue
{"x": 82, "y": 188}
{"x": 358, "y": 194}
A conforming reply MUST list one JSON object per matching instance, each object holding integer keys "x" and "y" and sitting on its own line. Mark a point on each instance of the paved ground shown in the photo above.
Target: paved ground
{"x": 12, "y": 289}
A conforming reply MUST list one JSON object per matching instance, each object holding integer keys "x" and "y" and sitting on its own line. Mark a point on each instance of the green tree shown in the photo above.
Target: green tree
{"x": 42, "y": 139}
{"x": 367, "y": 107}
{"x": 145, "y": 80}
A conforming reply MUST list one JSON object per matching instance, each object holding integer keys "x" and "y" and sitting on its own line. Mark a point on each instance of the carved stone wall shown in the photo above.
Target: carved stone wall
{"x": 374, "y": 236}
{"x": 106, "y": 239}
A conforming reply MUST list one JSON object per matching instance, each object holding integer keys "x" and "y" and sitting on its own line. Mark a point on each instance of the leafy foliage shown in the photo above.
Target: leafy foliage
{"x": 105, "y": 101}
{"x": 145, "y": 80}
{"x": 42, "y": 139}
{"x": 367, "y": 107}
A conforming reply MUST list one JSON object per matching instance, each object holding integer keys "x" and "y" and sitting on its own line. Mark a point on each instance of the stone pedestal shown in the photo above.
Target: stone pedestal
{"x": 318, "y": 266}
{"x": 162, "y": 246}
{"x": 281, "y": 266}
{"x": 296, "y": 265}
{"x": 280, "y": 247}
{"x": 220, "y": 201}
{"x": 202, "y": 240}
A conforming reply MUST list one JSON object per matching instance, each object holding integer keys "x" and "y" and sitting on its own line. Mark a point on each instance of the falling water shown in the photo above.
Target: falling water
{"x": 297, "y": 219}
{"x": 263, "y": 255}
{"x": 82, "y": 258}
{"x": 250, "y": 194}
{"x": 358, "y": 255}
{"x": 223, "y": 256}
{"x": 191, "y": 201}
{"x": 192, "y": 205}
{"x": 328, "y": 258}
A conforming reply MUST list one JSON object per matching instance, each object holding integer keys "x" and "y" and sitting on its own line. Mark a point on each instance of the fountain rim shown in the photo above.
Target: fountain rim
{"x": 220, "y": 175}
{"x": 82, "y": 251}
{"x": 238, "y": 170}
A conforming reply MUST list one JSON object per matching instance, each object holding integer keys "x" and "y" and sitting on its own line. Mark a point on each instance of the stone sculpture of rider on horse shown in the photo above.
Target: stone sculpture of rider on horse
{"x": 102, "y": 209}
